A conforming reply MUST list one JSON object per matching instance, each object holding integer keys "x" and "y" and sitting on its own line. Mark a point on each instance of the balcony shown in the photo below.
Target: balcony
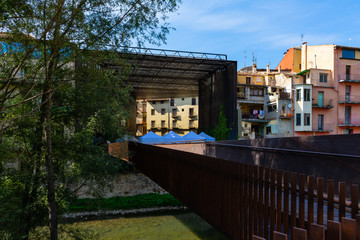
{"x": 326, "y": 127}
{"x": 249, "y": 117}
{"x": 140, "y": 121}
{"x": 348, "y": 98}
{"x": 349, "y": 78}
{"x": 175, "y": 115}
{"x": 241, "y": 95}
{"x": 323, "y": 105}
{"x": 284, "y": 96}
{"x": 349, "y": 122}
{"x": 286, "y": 115}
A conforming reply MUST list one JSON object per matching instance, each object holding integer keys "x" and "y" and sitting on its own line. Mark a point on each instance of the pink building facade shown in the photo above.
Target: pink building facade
{"x": 347, "y": 84}
{"x": 327, "y": 91}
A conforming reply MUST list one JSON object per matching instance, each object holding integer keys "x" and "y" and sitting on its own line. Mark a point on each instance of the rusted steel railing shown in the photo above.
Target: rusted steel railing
{"x": 251, "y": 202}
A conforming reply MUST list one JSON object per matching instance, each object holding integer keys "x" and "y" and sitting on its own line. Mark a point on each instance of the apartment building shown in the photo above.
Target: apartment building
{"x": 162, "y": 115}
{"x": 327, "y": 94}
{"x": 264, "y": 102}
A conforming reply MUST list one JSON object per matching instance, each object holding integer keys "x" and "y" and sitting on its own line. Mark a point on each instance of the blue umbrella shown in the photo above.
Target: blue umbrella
{"x": 172, "y": 137}
{"x": 191, "y": 136}
{"x": 207, "y": 137}
{"x": 151, "y": 138}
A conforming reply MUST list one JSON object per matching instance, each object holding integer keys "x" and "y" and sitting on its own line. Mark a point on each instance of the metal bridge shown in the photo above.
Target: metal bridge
{"x": 300, "y": 189}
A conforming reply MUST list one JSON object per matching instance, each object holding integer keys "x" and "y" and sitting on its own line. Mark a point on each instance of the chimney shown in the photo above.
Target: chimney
{"x": 254, "y": 67}
{"x": 304, "y": 56}
{"x": 268, "y": 68}
{"x": 279, "y": 69}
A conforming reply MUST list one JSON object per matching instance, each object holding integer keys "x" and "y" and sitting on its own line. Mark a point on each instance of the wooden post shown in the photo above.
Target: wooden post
{"x": 333, "y": 230}
{"x": 299, "y": 234}
{"x": 348, "y": 229}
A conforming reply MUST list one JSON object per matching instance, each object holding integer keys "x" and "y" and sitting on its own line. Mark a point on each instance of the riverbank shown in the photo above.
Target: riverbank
{"x": 123, "y": 212}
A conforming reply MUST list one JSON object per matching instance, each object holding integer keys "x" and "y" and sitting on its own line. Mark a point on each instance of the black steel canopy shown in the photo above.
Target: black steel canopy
{"x": 168, "y": 73}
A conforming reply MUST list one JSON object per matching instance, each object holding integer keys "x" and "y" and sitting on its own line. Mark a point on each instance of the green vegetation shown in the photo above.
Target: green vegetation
{"x": 221, "y": 131}
{"x": 60, "y": 102}
{"x": 129, "y": 202}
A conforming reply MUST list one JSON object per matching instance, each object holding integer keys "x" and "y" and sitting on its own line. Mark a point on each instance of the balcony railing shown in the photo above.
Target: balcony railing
{"x": 253, "y": 116}
{"x": 328, "y": 104}
{"x": 326, "y": 127}
{"x": 286, "y": 114}
{"x": 349, "y": 78}
{"x": 284, "y": 96}
{"x": 349, "y": 99}
{"x": 140, "y": 121}
{"x": 344, "y": 122}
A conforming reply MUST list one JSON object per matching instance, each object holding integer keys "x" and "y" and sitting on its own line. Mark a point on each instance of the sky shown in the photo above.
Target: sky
{"x": 264, "y": 29}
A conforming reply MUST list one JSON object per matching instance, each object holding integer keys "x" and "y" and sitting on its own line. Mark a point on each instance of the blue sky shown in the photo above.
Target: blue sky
{"x": 265, "y": 28}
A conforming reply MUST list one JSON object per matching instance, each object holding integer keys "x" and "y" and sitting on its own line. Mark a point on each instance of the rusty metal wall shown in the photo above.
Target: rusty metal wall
{"x": 242, "y": 200}
{"x": 332, "y": 157}
{"x": 219, "y": 89}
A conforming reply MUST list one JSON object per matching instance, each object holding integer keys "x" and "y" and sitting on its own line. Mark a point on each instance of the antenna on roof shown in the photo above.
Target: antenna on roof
{"x": 301, "y": 37}
{"x": 254, "y": 57}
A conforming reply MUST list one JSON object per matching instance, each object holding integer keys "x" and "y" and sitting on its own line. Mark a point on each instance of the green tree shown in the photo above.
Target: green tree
{"x": 56, "y": 99}
{"x": 221, "y": 131}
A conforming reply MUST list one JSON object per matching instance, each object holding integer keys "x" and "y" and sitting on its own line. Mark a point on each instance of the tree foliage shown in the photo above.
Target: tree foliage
{"x": 221, "y": 131}
{"x": 59, "y": 102}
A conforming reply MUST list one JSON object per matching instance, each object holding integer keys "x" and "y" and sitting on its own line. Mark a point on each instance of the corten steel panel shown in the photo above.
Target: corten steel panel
{"x": 215, "y": 91}
{"x": 327, "y": 166}
{"x": 163, "y": 76}
{"x": 225, "y": 192}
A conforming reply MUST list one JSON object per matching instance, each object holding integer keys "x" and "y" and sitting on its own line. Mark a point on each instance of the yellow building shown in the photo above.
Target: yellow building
{"x": 165, "y": 114}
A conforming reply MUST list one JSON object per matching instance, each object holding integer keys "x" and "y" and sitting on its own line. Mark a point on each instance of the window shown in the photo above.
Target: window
{"x": 182, "y": 99}
{"x": 347, "y": 71}
{"x": 298, "y": 119}
{"x": 320, "y": 98}
{"x": 268, "y": 130}
{"x": 323, "y": 77}
{"x": 162, "y": 101}
{"x": 191, "y": 124}
{"x": 174, "y": 125}
{"x": 163, "y": 124}
{"x": 347, "y": 115}
{"x": 255, "y": 91}
{"x": 191, "y": 111}
{"x": 272, "y": 108}
{"x": 182, "y": 110}
{"x": 153, "y": 102}
{"x": 152, "y": 111}
{"x": 248, "y": 80}
{"x": 172, "y": 102}
{"x": 153, "y": 124}
{"x": 193, "y": 101}
{"x": 348, "y": 54}
{"x": 347, "y": 93}
{"x": 306, "y": 119}
{"x": 320, "y": 122}
{"x": 163, "y": 111}
{"x": 298, "y": 94}
{"x": 174, "y": 112}
{"x": 307, "y": 95}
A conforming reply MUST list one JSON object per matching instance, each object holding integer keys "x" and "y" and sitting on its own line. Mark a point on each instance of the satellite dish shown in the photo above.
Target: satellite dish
{"x": 261, "y": 116}
{"x": 289, "y": 106}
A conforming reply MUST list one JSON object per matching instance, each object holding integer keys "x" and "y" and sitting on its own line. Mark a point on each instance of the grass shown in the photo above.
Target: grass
{"x": 130, "y": 202}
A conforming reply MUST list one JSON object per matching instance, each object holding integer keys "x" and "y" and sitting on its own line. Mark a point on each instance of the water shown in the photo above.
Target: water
{"x": 186, "y": 226}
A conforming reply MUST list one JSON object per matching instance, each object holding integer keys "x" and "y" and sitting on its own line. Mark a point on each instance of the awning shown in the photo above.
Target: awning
{"x": 303, "y": 72}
